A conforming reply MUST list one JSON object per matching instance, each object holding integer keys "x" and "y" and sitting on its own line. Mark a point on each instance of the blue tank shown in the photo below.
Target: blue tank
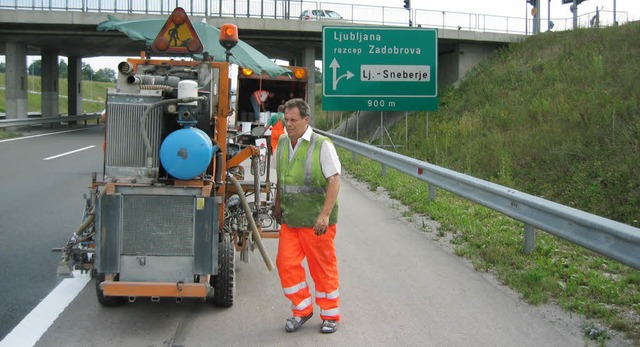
{"x": 186, "y": 153}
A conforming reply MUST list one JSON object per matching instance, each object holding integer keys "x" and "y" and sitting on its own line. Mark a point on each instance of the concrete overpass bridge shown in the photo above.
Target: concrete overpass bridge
{"x": 52, "y": 31}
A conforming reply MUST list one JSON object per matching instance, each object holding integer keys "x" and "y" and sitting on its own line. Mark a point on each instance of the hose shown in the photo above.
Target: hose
{"x": 156, "y": 87}
{"x": 256, "y": 180}
{"x": 85, "y": 224}
{"x": 252, "y": 223}
{"x": 143, "y": 123}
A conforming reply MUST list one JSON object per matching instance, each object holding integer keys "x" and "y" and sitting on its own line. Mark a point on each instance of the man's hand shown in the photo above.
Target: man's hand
{"x": 277, "y": 211}
{"x": 321, "y": 224}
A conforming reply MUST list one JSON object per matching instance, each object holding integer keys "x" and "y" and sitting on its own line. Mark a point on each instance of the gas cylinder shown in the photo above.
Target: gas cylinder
{"x": 186, "y": 153}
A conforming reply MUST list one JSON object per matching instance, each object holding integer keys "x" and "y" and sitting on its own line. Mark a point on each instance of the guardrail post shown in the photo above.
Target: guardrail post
{"x": 529, "y": 238}
{"x": 384, "y": 170}
{"x": 355, "y": 157}
{"x": 432, "y": 192}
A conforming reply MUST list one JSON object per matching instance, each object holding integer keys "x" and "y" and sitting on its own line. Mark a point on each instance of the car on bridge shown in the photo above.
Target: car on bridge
{"x": 320, "y": 15}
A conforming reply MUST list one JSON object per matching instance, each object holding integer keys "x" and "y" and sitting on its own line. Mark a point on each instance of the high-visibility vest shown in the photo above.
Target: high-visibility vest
{"x": 302, "y": 185}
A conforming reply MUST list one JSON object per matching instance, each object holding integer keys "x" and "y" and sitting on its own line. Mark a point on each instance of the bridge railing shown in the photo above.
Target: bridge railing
{"x": 610, "y": 238}
{"x": 290, "y": 9}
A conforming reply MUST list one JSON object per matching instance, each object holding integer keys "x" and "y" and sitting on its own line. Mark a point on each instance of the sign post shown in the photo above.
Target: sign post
{"x": 379, "y": 69}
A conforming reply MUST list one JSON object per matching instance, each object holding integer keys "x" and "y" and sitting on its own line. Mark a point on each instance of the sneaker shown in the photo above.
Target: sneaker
{"x": 295, "y": 322}
{"x": 329, "y": 326}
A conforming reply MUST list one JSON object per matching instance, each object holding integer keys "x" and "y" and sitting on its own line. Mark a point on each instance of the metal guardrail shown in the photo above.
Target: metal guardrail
{"x": 7, "y": 123}
{"x": 610, "y": 238}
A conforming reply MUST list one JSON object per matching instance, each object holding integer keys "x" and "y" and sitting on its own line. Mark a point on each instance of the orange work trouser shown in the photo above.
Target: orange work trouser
{"x": 294, "y": 245}
{"x": 276, "y": 131}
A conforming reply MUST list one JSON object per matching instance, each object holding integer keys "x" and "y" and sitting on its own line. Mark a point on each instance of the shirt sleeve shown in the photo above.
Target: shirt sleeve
{"x": 273, "y": 120}
{"x": 329, "y": 161}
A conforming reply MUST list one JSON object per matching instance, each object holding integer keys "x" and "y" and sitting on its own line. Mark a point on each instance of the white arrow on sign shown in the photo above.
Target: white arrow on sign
{"x": 334, "y": 66}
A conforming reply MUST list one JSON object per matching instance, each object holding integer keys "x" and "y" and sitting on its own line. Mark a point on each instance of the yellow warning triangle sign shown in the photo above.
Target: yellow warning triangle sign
{"x": 177, "y": 35}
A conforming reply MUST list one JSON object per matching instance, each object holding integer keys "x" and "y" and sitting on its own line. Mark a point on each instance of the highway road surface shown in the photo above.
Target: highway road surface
{"x": 40, "y": 204}
{"x": 398, "y": 287}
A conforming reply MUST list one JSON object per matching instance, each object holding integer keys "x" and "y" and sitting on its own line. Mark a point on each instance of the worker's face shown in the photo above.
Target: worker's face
{"x": 296, "y": 124}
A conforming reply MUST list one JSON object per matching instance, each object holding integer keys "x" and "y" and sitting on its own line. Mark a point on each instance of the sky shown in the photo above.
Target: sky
{"x": 509, "y": 8}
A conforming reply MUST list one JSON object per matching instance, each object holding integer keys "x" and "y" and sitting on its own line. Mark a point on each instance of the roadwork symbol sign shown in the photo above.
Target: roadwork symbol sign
{"x": 177, "y": 35}
{"x": 379, "y": 68}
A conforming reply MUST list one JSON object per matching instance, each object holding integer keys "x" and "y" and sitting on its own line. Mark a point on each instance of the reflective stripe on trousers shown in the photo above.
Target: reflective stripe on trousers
{"x": 295, "y": 288}
{"x": 294, "y": 245}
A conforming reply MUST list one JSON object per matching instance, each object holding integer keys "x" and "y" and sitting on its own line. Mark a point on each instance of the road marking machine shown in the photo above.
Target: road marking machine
{"x": 172, "y": 209}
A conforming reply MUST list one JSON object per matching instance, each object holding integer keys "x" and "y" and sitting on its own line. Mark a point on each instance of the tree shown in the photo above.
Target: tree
{"x": 318, "y": 75}
{"x": 63, "y": 69}
{"x": 105, "y": 75}
{"x": 87, "y": 72}
{"x": 35, "y": 69}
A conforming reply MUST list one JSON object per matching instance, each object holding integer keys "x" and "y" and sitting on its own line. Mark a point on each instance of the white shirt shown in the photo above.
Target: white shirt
{"x": 329, "y": 161}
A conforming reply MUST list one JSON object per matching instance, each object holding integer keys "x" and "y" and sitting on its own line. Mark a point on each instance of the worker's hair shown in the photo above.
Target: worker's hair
{"x": 281, "y": 108}
{"x": 300, "y": 104}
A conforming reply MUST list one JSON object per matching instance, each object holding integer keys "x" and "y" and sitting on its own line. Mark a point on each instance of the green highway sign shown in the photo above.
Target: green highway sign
{"x": 379, "y": 69}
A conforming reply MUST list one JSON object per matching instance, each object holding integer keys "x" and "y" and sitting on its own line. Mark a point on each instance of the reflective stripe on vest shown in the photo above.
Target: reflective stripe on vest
{"x": 302, "y": 190}
{"x": 302, "y": 184}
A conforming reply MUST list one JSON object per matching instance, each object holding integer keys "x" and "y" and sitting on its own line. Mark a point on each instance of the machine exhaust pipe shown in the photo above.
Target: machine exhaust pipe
{"x": 252, "y": 222}
{"x": 219, "y": 159}
{"x": 171, "y": 81}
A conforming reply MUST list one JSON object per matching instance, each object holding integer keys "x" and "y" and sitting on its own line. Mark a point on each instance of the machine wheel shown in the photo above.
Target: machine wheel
{"x": 109, "y": 301}
{"x": 224, "y": 283}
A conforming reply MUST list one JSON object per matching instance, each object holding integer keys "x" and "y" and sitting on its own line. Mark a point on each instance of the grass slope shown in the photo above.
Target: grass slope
{"x": 556, "y": 116}
{"x": 95, "y": 95}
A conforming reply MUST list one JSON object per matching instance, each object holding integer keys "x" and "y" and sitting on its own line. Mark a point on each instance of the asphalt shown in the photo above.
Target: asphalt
{"x": 398, "y": 287}
{"x": 40, "y": 204}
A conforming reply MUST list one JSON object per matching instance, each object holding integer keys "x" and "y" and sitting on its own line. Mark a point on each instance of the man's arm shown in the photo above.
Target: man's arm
{"x": 333, "y": 188}
{"x": 276, "y": 207}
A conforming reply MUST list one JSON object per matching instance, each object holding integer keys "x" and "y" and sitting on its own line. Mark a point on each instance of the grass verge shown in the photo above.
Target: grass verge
{"x": 8, "y": 134}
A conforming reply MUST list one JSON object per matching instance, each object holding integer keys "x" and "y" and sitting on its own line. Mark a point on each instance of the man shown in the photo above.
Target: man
{"x": 257, "y": 101}
{"x": 306, "y": 206}
{"x": 276, "y": 122}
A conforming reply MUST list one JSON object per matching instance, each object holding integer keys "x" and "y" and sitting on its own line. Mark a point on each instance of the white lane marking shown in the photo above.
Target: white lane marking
{"x": 70, "y": 152}
{"x": 45, "y": 134}
{"x": 38, "y": 321}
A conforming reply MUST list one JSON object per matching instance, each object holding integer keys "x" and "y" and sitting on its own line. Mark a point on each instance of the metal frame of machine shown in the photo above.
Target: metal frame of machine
{"x": 170, "y": 211}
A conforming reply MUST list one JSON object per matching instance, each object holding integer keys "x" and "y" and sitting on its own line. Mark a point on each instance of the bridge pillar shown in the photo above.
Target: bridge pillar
{"x": 309, "y": 61}
{"x": 74, "y": 73}
{"x": 16, "y": 80}
{"x": 471, "y": 54}
{"x": 454, "y": 66}
{"x": 50, "y": 89}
